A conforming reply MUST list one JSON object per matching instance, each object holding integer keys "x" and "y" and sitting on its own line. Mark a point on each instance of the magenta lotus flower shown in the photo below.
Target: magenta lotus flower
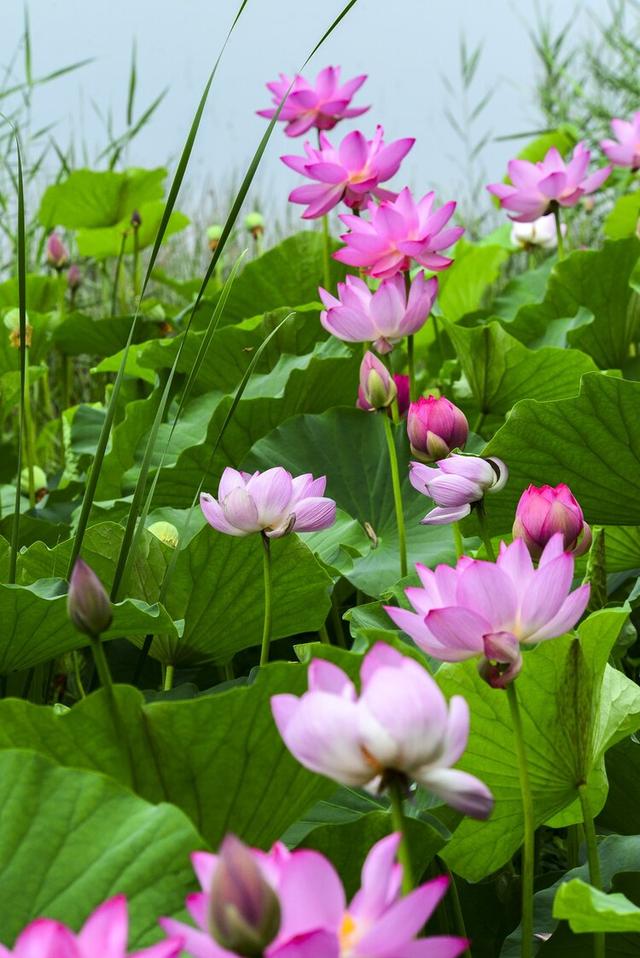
{"x": 541, "y": 233}
{"x": 104, "y": 935}
{"x": 399, "y": 725}
{"x": 435, "y": 426}
{"x": 455, "y": 484}
{"x": 625, "y": 149}
{"x": 489, "y": 609}
{"x": 383, "y": 316}
{"x": 397, "y": 232}
{"x": 403, "y": 386}
{"x": 535, "y": 187}
{"x": 352, "y": 172}
{"x": 316, "y": 921}
{"x": 271, "y": 502}
{"x": 377, "y": 388}
{"x": 322, "y": 105}
{"x": 56, "y": 251}
{"x": 544, "y": 511}
{"x": 88, "y": 604}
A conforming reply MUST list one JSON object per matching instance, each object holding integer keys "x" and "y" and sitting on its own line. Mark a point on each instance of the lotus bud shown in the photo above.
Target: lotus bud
{"x": 39, "y": 482}
{"x": 88, "y": 604}
{"x": 12, "y": 323}
{"x": 214, "y": 233}
{"x": 435, "y": 427}
{"x": 404, "y": 400}
{"x": 377, "y": 388}
{"x": 166, "y": 532}
{"x": 136, "y": 220}
{"x": 244, "y": 911}
{"x": 543, "y": 511}
{"x": 57, "y": 252}
{"x": 74, "y": 277}
{"x": 254, "y": 223}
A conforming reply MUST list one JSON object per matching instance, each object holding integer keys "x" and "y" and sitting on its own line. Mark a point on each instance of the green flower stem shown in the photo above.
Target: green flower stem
{"x": 412, "y": 369}
{"x": 326, "y": 253}
{"x": 457, "y": 539}
{"x": 556, "y": 214}
{"x": 136, "y": 263}
{"x": 528, "y": 851}
{"x": 399, "y": 823}
{"x": 168, "y": 678}
{"x": 323, "y": 635}
{"x": 102, "y": 666}
{"x": 595, "y": 875}
{"x": 266, "y": 631}
{"x": 484, "y": 532}
{"x": 337, "y": 622}
{"x": 454, "y": 901}
{"x": 397, "y": 493}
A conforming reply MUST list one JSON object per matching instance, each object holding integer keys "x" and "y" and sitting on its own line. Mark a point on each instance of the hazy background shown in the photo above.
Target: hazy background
{"x": 405, "y": 47}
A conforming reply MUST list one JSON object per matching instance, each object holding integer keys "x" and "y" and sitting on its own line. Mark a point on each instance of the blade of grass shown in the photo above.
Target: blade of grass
{"x": 105, "y": 432}
{"x": 133, "y": 79}
{"x": 56, "y": 74}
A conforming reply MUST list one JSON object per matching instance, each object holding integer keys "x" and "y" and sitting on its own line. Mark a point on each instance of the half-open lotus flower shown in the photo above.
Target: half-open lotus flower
{"x": 350, "y": 173}
{"x": 381, "y": 317}
{"x": 397, "y": 232}
{"x": 435, "y": 426}
{"x": 399, "y": 724}
{"x": 487, "y": 610}
{"x": 272, "y": 502}
{"x": 625, "y": 149}
{"x": 321, "y": 104}
{"x": 535, "y": 187}
{"x": 315, "y": 919}
{"x": 455, "y": 484}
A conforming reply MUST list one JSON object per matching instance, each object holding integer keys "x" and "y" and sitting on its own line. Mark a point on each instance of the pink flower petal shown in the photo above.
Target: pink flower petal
{"x": 458, "y": 789}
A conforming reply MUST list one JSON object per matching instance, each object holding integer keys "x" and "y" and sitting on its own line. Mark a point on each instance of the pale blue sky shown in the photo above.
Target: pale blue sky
{"x": 405, "y": 46}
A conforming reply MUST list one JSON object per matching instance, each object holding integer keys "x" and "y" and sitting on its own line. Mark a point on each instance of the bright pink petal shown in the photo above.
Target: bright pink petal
{"x": 402, "y": 922}
{"x": 457, "y": 628}
{"x": 381, "y": 879}
{"x": 106, "y": 931}
{"x": 311, "y": 895}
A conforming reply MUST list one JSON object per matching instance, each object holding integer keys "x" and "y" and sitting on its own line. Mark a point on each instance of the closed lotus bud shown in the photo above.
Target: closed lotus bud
{"x": 377, "y": 388}
{"x": 544, "y": 511}
{"x": 254, "y": 223}
{"x": 214, "y": 233}
{"x": 136, "y": 220}
{"x": 166, "y": 532}
{"x": 244, "y": 911}
{"x": 435, "y": 426}
{"x": 39, "y": 482}
{"x": 57, "y": 252}
{"x": 74, "y": 277}
{"x": 404, "y": 400}
{"x": 88, "y": 604}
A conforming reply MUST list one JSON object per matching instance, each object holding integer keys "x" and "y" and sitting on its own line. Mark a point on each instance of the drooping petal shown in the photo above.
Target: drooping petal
{"x": 314, "y": 513}
{"x": 459, "y": 789}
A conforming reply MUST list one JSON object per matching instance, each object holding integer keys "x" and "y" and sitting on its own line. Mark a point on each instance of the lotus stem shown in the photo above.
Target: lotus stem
{"x": 595, "y": 875}
{"x": 457, "y": 539}
{"x": 266, "y": 630}
{"x": 399, "y": 822}
{"x": 326, "y": 253}
{"x": 102, "y": 666}
{"x": 397, "y": 494}
{"x": 528, "y": 850}
{"x": 412, "y": 369}
{"x": 560, "y": 241}
{"x": 484, "y": 533}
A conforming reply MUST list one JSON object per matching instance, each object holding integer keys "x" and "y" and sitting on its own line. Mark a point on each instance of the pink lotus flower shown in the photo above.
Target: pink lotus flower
{"x": 435, "y": 426}
{"x": 351, "y": 172}
{"x": 625, "y": 149}
{"x": 57, "y": 252}
{"x": 322, "y": 105}
{"x": 377, "y": 388}
{"x": 404, "y": 396}
{"x": 74, "y": 277}
{"x": 544, "y": 511}
{"x": 104, "y": 935}
{"x": 489, "y": 609}
{"x": 398, "y": 725}
{"x": 537, "y": 186}
{"x": 271, "y": 502}
{"x": 382, "y": 317}
{"x": 397, "y": 232}
{"x": 540, "y": 233}
{"x": 316, "y": 921}
{"x": 455, "y": 484}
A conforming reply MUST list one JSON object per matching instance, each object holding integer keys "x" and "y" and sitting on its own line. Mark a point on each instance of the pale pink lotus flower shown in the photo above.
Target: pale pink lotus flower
{"x": 541, "y": 233}
{"x": 397, "y": 232}
{"x": 435, "y": 426}
{"x": 316, "y": 921}
{"x": 104, "y": 935}
{"x": 382, "y": 316}
{"x": 536, "y": 187}
{"x": 543, "y": 511}
{"x": 487, "y": 610}
{"x": 272, "y": 502}
{"x": 56, "y": 252}
{"x": 399, "y": 725}
{"x": 377, "y": 388}
{"x": 320, "y": 105}
{"x": 625, "y": 149}
{"x": 350, "y": 173}
{"x": 455, "y": 484}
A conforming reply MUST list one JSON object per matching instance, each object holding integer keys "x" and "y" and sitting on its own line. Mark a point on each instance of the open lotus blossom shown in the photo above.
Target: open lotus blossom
{"x": 455, "y": 484}
{"x": 315, "y": 919}
{"x": 543, "y": 511}
{"x": 272, "y": 502}
{"x": 489, "y": 609}
{"x": 535, "y": 187}
{"x": 381, "y": 317}
{"x": 435, "y": 426}
{"x": 351, "y": 172}
{"x": 397, "y": 232}
{"x": 625, "y": 149}
{"x": 56, "y": 252}
{"x": 399, "y": 725}
{"x": 321, "y": 105}
{"x": 104, "y": 935}
{"x": 541, "y": 233}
